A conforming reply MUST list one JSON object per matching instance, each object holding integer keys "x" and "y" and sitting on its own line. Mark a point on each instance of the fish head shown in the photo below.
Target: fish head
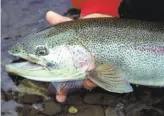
{"x": 55, "y": 59}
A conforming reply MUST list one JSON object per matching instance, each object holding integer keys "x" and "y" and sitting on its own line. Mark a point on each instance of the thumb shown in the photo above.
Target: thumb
{"x": 54, "y": 18}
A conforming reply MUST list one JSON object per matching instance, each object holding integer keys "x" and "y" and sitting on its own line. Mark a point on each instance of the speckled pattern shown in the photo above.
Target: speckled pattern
{"x": 136, "y": 48}
{"x": 22, "y": 20}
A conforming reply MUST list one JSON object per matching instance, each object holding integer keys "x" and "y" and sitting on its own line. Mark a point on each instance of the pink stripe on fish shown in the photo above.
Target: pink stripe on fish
{"x": 155, "y": 49}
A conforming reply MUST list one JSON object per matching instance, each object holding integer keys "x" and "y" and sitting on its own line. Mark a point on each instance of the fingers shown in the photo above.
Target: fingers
{"x": 61, "y": 95}
{"x": 88, "y": 84}
{"x": 54, "y": 18}
{"x": 56, "y": 88}
{"x": 62, "y": 88}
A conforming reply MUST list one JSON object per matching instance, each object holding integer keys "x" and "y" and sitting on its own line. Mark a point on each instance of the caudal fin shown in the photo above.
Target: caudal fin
{"x": 110, "y": 79}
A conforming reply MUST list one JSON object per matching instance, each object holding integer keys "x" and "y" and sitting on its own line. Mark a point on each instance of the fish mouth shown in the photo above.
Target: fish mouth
{"x": 37, "y": 72}
{"x": 27, "y": 67}
{"x": 30, "y": 70}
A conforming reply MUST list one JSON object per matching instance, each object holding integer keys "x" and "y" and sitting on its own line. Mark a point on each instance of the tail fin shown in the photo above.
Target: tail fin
{"x": 110, "y": 79}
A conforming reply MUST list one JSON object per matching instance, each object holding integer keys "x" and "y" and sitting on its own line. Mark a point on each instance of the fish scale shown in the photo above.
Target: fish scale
{"x": 133, "y": 48}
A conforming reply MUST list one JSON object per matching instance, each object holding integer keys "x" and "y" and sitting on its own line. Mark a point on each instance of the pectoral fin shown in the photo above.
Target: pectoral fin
{"x": 110, "y": 79}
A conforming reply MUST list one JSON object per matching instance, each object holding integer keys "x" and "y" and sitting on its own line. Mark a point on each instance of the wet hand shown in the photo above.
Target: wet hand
{"x": 54, "y": 18}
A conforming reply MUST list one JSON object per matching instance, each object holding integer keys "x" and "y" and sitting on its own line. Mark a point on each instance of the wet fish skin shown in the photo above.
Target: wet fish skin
{"x": 135, "y": 48}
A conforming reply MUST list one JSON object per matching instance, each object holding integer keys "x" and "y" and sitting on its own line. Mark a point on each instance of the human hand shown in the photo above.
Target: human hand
{"x": 54, "y": 18}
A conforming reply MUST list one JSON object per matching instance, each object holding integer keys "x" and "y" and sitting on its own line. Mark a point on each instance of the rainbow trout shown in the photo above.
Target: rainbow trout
{"x": 110, "y": 52}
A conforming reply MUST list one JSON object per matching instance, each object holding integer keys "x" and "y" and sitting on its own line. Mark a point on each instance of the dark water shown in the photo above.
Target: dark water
{"x": 23, "y": 16}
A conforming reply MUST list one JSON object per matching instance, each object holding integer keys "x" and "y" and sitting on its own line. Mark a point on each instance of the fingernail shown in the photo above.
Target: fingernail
{"x": 61, "y": 94}
{"x": 89, "y": 84}
{"x": 52, "y": 17}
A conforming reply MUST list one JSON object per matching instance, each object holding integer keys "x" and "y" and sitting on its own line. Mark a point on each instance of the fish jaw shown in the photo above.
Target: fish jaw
{"x": 36, "y": 69}
{"x": 40, "y": 73}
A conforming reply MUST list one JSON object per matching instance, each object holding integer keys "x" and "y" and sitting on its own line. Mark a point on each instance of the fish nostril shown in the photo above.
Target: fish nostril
{"x": 12, "y": 51}
{"x": 15, "y": 49}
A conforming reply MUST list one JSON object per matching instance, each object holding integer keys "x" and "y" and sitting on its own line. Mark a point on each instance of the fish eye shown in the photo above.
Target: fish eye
{"x": 41, "y": 51}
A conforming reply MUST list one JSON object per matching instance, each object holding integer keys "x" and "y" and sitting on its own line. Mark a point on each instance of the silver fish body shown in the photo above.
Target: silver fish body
{"x": 135, "y": 48}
